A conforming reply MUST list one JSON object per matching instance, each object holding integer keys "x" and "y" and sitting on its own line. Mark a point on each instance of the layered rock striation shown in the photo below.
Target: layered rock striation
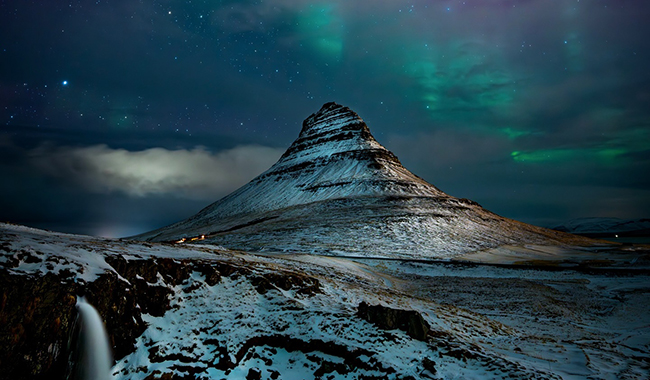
{"x": 337, "y": 191}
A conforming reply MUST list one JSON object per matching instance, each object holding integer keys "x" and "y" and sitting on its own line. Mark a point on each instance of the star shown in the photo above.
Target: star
{"x": 65, "y": 83}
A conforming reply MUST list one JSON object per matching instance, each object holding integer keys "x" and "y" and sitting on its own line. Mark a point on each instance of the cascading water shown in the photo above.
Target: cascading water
{"x": 90, "y": 354}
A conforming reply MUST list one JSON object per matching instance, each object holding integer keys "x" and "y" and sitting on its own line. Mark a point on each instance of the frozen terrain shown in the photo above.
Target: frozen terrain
{"x": 204, "y": 312}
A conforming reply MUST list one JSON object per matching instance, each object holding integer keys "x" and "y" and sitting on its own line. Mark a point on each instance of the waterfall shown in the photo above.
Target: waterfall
{"x": 90, "y": 353}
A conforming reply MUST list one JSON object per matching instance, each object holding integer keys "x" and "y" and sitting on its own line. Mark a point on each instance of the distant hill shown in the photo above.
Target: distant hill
{"x": 606, "y": 227}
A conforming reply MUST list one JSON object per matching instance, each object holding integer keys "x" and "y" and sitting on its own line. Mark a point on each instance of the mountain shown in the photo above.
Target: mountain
{"x": 337, "y": 191}
{"x": 606, "y": 227}
{"x": 526, "y": 306}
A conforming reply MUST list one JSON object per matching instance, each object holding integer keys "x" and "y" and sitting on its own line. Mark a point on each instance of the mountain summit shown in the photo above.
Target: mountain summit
{"x": 337, "y": 156}
{"x": 336, "y": 190}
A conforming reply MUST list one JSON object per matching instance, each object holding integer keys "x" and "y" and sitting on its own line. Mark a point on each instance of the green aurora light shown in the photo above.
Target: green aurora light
{"x": 323, "y": 30}
{"x": 607, "y": 156}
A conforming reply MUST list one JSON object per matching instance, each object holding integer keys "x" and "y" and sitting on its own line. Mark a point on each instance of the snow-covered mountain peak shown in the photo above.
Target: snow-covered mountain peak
{"x": 336, "y": 190}
{"x": 335, "y": 156}
{"x": 335, "y": 132}
{"x": 331, "y": 116}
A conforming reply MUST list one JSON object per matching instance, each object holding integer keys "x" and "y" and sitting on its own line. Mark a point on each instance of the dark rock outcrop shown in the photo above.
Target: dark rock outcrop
{"x": 387, "y": 318}
{"x": 36, "y": 315}
{"x": 286, "y": 281}
{"x": 38, "y": 312}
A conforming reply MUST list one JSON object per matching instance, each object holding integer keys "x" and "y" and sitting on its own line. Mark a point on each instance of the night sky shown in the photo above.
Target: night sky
{"x": 120, "y": 116}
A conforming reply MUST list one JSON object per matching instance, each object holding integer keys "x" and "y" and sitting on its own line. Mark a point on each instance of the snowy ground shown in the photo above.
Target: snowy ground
{"x": 578, "y": 325}
{"x": 294, "y": 316}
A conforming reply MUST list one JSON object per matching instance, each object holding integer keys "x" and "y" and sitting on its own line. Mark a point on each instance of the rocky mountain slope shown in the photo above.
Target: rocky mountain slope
{"x": 337, "y": 191}
{"x": 205, "y": 312}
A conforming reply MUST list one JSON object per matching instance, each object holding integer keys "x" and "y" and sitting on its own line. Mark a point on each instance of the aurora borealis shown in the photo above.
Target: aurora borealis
{"x": 122, "y": 116}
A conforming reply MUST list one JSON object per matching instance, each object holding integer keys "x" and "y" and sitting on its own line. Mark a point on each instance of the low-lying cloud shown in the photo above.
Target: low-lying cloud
{"x": 195, "y": 174}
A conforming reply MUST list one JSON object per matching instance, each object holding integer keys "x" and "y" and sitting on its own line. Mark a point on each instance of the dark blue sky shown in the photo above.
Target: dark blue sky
{"x": 121, "y": 116}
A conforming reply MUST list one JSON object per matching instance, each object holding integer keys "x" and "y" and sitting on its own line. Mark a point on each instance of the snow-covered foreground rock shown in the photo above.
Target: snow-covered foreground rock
{"x": 204, "y": 312}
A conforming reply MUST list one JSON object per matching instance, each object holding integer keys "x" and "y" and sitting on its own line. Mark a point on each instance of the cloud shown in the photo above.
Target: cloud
{"x": 193, "y": 174}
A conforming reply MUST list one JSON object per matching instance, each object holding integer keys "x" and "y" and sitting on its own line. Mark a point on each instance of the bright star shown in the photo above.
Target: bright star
{"x": 65, "y": 83}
